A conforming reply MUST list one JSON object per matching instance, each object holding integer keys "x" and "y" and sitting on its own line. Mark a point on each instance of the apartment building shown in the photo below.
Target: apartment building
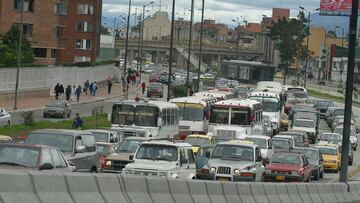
{"x": 60, "y": 31}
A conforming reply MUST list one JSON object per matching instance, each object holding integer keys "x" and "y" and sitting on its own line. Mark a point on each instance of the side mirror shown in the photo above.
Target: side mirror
{"x": 46, "y": 166}
{"x": 259, "y": 158}
{"x": 80, "y": 149}
{"x": 159, "y": 122}
{"x": 207, "y": 154}
{"x": 131, "y": 157}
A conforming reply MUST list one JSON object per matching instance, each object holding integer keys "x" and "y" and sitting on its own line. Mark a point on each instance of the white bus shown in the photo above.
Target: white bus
{"x": 160, "y": 118}
{"x": 271, "y": 104}
{"x": 219, "y": 95}
{"x": 236, "y": 119}
{"x": 193, "y": 114}
{"x": 270, "y": 86}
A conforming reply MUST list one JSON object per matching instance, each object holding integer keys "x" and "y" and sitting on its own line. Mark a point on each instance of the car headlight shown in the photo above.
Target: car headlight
{"x": 108, "y": 163}
{"x": 294, "y": 173}
{"x": 237, "y": 172}
{"x": 267, "y": 171}
{"x": 212, "y": 170}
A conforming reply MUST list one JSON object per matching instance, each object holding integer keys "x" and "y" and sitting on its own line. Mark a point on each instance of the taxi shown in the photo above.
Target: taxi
{"x": 331, "y": 155}
{"x": 197, "y": 140}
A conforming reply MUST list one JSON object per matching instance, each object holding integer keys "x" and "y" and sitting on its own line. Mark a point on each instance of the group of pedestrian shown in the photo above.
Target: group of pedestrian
{"x": 130, "y": 78}
{"x": 58, "y": 90}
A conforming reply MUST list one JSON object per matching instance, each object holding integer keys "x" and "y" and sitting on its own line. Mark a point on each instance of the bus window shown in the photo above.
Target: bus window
{"x": 172, "y": 116}
{"x": 123, "y": 114}
{"x": 168, "y": 119}
{"x": 219, "y": 115}
{"x": 146, "y": 116}
{"x": 239, "y": 117}
{"x": 164, "y": 117}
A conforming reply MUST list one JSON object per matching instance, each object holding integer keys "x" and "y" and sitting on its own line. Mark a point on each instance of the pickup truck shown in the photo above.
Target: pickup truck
{"x": 308, "y": 121}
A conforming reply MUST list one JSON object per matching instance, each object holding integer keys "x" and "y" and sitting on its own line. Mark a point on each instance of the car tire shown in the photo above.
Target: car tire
{"x": 317, "y": 175}
{"x": 322, "y": 174}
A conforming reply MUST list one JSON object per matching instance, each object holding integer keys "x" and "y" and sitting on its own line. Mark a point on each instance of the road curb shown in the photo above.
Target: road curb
{"x": 79, "y": 103}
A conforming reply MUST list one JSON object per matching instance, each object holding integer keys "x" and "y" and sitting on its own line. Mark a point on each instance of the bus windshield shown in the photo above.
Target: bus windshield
{"x": 190, "y": 112}
{"x": 123, "y": 114}
{"x": 269, "y": 104}
{"x": 146, "y": 116}
{"x": 219, "y": 115}
{"x": 239, "y": 116}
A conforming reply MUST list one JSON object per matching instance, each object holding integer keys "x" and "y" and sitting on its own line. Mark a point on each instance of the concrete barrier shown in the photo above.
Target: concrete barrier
{"x": 43, "y": 187}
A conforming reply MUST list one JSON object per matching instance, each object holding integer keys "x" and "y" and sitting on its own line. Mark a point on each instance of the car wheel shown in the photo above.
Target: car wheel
{"x": 317, "y": 175}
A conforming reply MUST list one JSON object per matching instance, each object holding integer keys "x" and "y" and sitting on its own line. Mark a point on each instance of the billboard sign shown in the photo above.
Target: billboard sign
{"x": 335, "y": 7}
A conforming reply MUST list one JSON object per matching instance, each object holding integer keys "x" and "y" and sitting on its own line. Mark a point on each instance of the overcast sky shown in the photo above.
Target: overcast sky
{"x": 223, "y": 11}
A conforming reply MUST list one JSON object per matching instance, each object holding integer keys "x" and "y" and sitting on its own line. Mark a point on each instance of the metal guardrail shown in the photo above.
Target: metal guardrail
{"x": 41, "y": 187}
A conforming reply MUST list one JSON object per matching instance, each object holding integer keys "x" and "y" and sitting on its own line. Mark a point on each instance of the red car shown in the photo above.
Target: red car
{"x": 33, "y": 157}
{"x": 288, "y": 167}
{"x": 154, "y": 77}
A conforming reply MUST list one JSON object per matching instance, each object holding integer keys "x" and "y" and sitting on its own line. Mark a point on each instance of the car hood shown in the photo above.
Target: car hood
{"x": 119, "y": 156}
{"x": 311, "y": 130}
{"x": 53, "y": 108}
{"x": 274, "y": 116}
{"x": 232, "y": 163}
{"x": 283, "y": 167}
{"x": 151, "y": 165}
{"x": 328, "y": 157}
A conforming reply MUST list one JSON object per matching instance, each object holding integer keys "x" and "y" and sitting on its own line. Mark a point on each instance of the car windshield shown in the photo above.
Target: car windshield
{"x": 239, "y": 116}
{"x": 298, "y": 138}
{"x": 300, "y": 94}
{"x": 337, "y": 142}
{"x": 338, "y": 112}
{"x": 197, "y": 141}
{"x": 340, "y": 131}
{"x": 100, "y": 136}
{"x": 19, "y": 156}
{"x": 57, "y": 103}
{"x": 191, "y": 112}
{"x": 155, "y": 86}
{"x": 103, "y": 150}
{"x": 63, "y": 142}
{"x": 286, "y": 158}
{"x": 261, "y": 143}
{"x": 328, "y": 150}
{"x": 128, "y": 146}
{"x": 323, "y": 104}
{"x": 309, "y": 154}
{"x": 236, "y": 152}
{"x": 219, "y": 115}
{"x": 281, "y": 143}
{"x": 304, "y": 123}
{"x": 157, "y": 152}
{"x": 146, "y": 116}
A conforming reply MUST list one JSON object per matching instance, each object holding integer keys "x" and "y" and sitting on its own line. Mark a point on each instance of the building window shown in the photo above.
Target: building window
{"x": 28, "y": 5}
{"x": 85, "y": 9}
{"x": 53, "y": 53}
{"x": 58, "y": 31}
{"x": 27, "y": 29}
{"x": 40, "y": 52}
{"x": 78, "y": 59}
{"x": 61, "y": 9}
{"x": 83, "y": 44}
{"x": 84, "y": 26}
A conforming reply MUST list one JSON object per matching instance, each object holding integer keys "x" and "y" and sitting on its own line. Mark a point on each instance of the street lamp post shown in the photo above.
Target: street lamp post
{"x": 237, "y": 21}
{"x": 19, "y": 53}
{"x": 127, "y": 44}
{"x": 190, "y": 42}
{"x": 200, "y": 47}
{"x": 171, "y": 47}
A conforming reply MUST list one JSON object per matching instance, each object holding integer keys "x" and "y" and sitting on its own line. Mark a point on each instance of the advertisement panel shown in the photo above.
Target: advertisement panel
{"x": 335, "y": 7}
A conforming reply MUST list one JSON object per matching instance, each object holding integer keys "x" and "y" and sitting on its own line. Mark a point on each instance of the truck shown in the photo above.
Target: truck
{"x": 308, "y": 121}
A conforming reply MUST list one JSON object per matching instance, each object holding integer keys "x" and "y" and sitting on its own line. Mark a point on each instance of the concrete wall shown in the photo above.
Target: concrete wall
{"x": 46, "y": 78}
{"x": 40, "y": 187}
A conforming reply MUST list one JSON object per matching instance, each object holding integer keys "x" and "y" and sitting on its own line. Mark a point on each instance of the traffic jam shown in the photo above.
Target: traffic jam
{"x": 271, "y": 133}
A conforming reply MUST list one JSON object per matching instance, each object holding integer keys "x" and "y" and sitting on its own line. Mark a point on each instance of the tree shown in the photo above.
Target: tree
{"x": 7, "y": 56}
{"x": 288, "y": 37}
{"x": 10, "y": 46}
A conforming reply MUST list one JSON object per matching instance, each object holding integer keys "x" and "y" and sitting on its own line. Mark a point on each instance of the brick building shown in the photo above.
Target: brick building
{"x": 62, "y": 31}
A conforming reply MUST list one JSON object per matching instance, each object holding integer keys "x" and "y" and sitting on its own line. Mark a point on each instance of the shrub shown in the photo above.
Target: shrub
{"x": 28, "y": 117}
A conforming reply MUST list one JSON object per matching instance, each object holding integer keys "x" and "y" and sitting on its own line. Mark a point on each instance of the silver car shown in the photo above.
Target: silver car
{"x": 234, "y": 161}
{"x": 57, "y": 108}
{"x": 5, "y": 118}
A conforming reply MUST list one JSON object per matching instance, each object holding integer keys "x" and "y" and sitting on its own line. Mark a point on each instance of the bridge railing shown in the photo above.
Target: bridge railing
{"x": 40, "y": 187}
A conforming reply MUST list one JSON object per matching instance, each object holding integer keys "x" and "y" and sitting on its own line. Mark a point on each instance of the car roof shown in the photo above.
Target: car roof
{"x": 306, "y": 148}
{"x": 138, "y": 138}
{"x": 259, "y": 137}
{"x": 105, "y": 143}
{"x": 238, "y": 142}
{"x": 327, "y": 145}
{"x": 198, "y": 136}
{"x": 287, "y": 152}
{"x": 100, "y": 131}
{"x": 26, "y": 145}
{"x": 292, "y": 133}
{"x": 60, "y": 131}
{"x": 169, "y": 143}
{"x": 284, "y": 136}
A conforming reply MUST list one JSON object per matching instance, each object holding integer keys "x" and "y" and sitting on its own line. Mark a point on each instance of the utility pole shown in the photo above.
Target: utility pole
{"x": 307, "y": 50}
{"x": 190, "y": 42}
{"x": 127, "y": 46}
{"x": 349, "y": 91}
{"x": 200, "y": 48}
{"x": 139, "y": 42}
{"x": 171, "y": 48}
{"x": 21, "y": 27}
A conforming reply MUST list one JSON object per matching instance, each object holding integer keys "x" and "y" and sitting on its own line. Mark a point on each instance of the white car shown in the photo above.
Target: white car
{"x": 288, "y": 137}
{"x": 5, "y": 118}
{"x": 264, "y": 143}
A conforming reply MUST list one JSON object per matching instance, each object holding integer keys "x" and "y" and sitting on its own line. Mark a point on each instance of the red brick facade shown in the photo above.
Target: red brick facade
{"x": 53, "y": 35}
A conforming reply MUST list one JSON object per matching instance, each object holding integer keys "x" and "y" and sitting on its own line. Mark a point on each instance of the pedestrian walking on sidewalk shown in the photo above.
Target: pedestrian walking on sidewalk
{"x": 91, "y": 88}
{"x": 62, "y": 90}
{"x": 109, "y": 86}
{"x": 86, "y": 86}
{"x": 78, "y": 93}
{"x": 57, "y": 91}
{"x": 68, "y": 92}
{"x": 143, "y": 87}
{"x": 78, "y": 122}
{"x": 73, "y": 93}
{"x": 94, "y": 88}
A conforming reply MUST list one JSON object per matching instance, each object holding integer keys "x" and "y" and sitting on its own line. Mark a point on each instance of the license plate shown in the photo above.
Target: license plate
{"x": 224, "y": 179}
{"x": 280, "y": 178}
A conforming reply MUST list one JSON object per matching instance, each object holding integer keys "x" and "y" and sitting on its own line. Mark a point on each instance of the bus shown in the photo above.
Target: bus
{"x": 160, "y": 118}
{"x": 271, "y": 104}
{"x": 193, "y": 114}
{"x": 219, "y": 95}
{"x": 236, "y": 119}
{"x": 270, "y": 86}
{"x": 206, "y": 81}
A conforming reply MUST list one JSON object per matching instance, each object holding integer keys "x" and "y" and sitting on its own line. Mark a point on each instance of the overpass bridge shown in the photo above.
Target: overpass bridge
{"x": 160, "y": 51}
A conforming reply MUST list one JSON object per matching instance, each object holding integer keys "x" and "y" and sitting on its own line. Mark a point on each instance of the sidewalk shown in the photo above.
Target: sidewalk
{"x": 36, "y": 103}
